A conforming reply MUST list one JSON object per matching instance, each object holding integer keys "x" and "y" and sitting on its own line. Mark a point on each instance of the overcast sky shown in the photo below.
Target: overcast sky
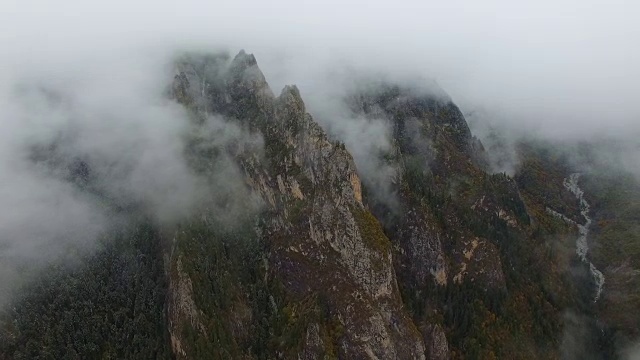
{"x": 541, "y": 63}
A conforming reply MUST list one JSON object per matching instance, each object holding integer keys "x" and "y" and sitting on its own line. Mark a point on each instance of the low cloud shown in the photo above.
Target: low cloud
{"x": 86, "y": 142}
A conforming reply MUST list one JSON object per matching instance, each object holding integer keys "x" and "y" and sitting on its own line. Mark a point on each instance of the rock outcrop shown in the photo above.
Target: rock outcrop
{"x": 322, "y": 241}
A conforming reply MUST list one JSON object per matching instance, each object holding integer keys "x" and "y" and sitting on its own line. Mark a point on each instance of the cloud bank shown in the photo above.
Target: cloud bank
{"x": 570, "y": 65}
{"x": 87, "y": 139}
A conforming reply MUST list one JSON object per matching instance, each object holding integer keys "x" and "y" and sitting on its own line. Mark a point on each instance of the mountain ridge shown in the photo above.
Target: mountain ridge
{"x": 302, "y": 257}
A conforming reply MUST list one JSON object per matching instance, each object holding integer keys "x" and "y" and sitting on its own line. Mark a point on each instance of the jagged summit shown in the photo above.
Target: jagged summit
{"x": 291, "y": 90}
{"x": 404, "y": 103}
{"x": 323, "y": 243}
{"x": 243, "y": 56}
{"x": 290, "y": 104}
{"x": 245, "y": 74}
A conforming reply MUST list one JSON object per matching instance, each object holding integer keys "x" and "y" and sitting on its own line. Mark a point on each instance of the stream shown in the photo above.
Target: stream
{"x": 582, "y": 245}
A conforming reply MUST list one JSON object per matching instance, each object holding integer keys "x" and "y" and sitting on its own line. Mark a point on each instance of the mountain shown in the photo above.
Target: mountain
{"x": 306, "y": 258}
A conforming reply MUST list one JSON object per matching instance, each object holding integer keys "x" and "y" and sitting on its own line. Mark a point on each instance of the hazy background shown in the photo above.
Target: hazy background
{"x": 540, "y": 64}
{"x": 563, "y": 70}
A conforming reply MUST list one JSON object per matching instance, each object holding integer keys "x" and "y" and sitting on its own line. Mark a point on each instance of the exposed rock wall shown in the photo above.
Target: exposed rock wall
{"x": 322, "y": 241}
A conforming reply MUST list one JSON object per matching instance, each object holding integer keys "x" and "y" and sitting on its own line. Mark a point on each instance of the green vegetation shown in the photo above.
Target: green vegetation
{"x": 109, "y": 306}
{"x": 540, "y": 178}
{"x": 371, "y": 231}
{"x": 218, "y": 262}
{"x": 615, "y": 248}
{"x": 525, "y": 316}
{"x": 615, "y": 198}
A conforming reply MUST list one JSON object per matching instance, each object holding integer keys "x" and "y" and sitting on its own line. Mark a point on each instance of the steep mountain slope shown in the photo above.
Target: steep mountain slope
{"x": 323, "y": 247}
{"x": 612, "y": 246}
{"x": 467, "y": 254}
{"x": 303, "y": 257}
{"x": 111, "y": 306}
{"x": 614, "y": 249}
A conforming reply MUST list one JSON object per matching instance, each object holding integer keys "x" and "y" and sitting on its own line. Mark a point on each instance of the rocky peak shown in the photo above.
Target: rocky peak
{"x": 413, "y": 112}
{"x": 244, "y": 59}
{"x": 322, "y": 241}
{"x": 290, "y": 108}
{"x": 290, "y": 99}
{"x": 246, "y": 78}
{"x": 211, "y": 84}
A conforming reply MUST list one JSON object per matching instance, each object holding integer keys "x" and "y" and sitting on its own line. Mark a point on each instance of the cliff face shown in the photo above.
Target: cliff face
{"x": 437, "y": 179}
{"x": 384, "y": 270}
{"x": 445, "y": 206}
{"x": 321, "y": 241}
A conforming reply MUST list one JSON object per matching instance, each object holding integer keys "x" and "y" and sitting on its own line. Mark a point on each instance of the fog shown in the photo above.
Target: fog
{"x": 92, "y": 76}
{"x": 87, "y": 139}
{"x": 558, "y": 69}
{"x": 560, "y": 64}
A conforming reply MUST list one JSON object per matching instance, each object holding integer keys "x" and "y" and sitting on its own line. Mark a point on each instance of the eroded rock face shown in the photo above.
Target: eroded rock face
{"x": 322, "y": 240}
{"x": 449, "y": 218}
{"x": 420, "y": 249}
{"x": 436, "y": 342}
{"x": 435, "y": 157}
{"x": 328, "y": 236}
{"x": 181, "y": 308}
{"x": 480, "y": 263}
